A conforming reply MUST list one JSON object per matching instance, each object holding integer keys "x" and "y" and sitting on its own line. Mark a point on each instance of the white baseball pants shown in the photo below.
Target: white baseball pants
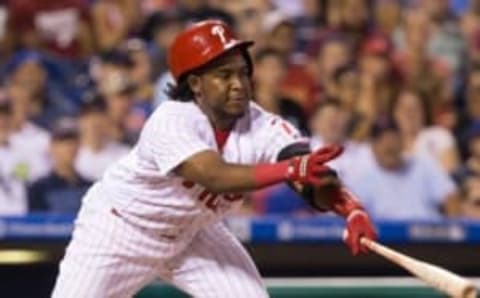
{"x": 109, "y": 258}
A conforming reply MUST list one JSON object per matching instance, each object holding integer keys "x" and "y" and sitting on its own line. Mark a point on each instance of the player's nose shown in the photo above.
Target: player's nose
{"x": 236, "y": 83}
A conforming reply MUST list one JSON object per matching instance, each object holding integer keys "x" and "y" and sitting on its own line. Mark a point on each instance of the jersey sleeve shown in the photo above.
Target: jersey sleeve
{"x": 171, "y": 140}
{"x": 275, "y": 135}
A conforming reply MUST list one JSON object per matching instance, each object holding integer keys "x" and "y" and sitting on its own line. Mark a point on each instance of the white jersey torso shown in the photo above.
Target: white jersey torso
{"x": 143, "y": 187}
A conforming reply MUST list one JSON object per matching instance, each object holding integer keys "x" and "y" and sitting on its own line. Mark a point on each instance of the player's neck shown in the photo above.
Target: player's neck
{"x": 223, "y": 124}
{"x": 218, "y": 122}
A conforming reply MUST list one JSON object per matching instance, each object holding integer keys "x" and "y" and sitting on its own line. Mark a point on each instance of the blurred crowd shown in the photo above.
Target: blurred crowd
{"x": 396, "y": 82}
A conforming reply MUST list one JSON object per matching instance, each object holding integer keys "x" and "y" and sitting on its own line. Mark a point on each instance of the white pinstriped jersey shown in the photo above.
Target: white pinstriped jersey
{"x": 143, "y": 188}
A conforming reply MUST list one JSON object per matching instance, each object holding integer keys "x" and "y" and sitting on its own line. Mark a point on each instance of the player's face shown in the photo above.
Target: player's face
{"x": 224, "y": 90}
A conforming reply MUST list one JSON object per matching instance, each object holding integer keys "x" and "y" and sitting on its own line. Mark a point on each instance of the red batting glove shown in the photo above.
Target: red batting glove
{"x": 359, "y": 224}
{"x": 308, "y": 169}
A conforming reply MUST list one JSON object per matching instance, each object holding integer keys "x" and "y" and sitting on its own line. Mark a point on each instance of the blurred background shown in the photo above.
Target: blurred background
{"x": 396, "y": 82}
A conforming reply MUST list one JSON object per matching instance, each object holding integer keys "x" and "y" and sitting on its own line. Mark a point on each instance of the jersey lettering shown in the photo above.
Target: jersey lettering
{"x": 287, "y": 128}
{"x": 211, "y": 199}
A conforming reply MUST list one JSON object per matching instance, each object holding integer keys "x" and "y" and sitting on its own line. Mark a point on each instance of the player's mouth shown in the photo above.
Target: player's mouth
{"x": 238, "y": 98}
{"x": 240, "y": 101}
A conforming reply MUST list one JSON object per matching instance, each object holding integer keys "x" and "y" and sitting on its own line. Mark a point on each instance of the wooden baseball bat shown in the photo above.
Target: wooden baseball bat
{"x": 439, "y": 278}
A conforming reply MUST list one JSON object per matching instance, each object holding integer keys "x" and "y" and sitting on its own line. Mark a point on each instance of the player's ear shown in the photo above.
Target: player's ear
{"x": 194, "y": 83}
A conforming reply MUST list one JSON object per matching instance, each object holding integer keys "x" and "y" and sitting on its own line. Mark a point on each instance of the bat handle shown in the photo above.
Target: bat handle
{"x": 372, "y": 245}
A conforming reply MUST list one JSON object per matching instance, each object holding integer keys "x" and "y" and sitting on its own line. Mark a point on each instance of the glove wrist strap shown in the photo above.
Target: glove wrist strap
{"x": 269, "y": 174}
{"x": 344, "y": 203}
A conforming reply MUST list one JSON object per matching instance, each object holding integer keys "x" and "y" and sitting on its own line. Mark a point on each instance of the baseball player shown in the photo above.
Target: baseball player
{"x": 157, "y": 213}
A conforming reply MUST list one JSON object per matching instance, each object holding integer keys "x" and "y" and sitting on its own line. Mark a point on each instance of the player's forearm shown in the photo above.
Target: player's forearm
{"x": 210, "y": 170}
{"x": 240, "y": 178}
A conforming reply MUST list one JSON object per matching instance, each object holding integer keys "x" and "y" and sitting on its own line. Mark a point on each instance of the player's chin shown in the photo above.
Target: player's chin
{"x": 236, "y": 108}
{"x": 236, "y": 114}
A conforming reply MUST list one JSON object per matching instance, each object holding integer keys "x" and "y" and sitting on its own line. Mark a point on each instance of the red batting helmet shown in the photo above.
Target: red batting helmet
{"x": 201, "y": 43}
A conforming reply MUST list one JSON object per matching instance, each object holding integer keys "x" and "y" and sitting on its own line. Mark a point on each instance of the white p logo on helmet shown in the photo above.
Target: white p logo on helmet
{"x": 219, "y": 31}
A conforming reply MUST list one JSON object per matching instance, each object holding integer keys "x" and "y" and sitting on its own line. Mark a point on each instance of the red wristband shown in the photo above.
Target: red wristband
{"x": 269, "y": 174}
{"x": 344, "y": 202}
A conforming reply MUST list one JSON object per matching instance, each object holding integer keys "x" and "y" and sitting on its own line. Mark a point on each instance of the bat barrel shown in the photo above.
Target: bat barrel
{"x": 437, "y": 277}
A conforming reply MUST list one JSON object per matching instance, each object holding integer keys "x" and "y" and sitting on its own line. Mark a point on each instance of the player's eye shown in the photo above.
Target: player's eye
{"x": 224, "y": 74}
{"x": 244, "y": 71}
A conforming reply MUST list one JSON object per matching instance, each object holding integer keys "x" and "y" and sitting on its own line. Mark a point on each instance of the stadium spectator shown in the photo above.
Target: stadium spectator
{"x": 470, "y": 204}
{"x": 470, "y": 26}
{"x": 30, "y": 140}
{"x": 270, "y": 71}
{"x": 309, "y": 23}
{"x": 418, "y": 69}
{"x": 470, "y": 20}
{"x": 114, "y": 61}
{"x": 279, "y": 33}
{"x": 160, "y": 30}
{"x": 299, "y": 84}
{"x": 411, "y": 112}
{"x": 329, "y": 125}
{"x": 377, "y": 77}
{"x": 403, "y": 188}
{"x": 13, "y": 200}
{"x": 471, "y": 166}
{"x": 113, "y": 21}
{"x": 249, "y": 16}
{"x": 149, "y": 7}
{"x": 118, "y": 93}
{"x": 28, "y": 81}
{"x": 387, "y": 14}
{"x": 198, "y": 10}
{"x": 333, "y": 53}
{"x": 62, "y": 28}
{"x": 470, "y": 113}
{"x": 354, "y": 21}
{"x": 5, "y": 121}
{"x": 97, "y": 151}
{"x": 62, "y": 189}
{"x": 7, "y": 34}
{"x": 115, "y": 86}
{"x": 445, "y": 40}
{"x": 334, "y": 15}
{"x": 140, "y": 75}
{"x": 347, "y": 87}
{"x": 161, "y": 86}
